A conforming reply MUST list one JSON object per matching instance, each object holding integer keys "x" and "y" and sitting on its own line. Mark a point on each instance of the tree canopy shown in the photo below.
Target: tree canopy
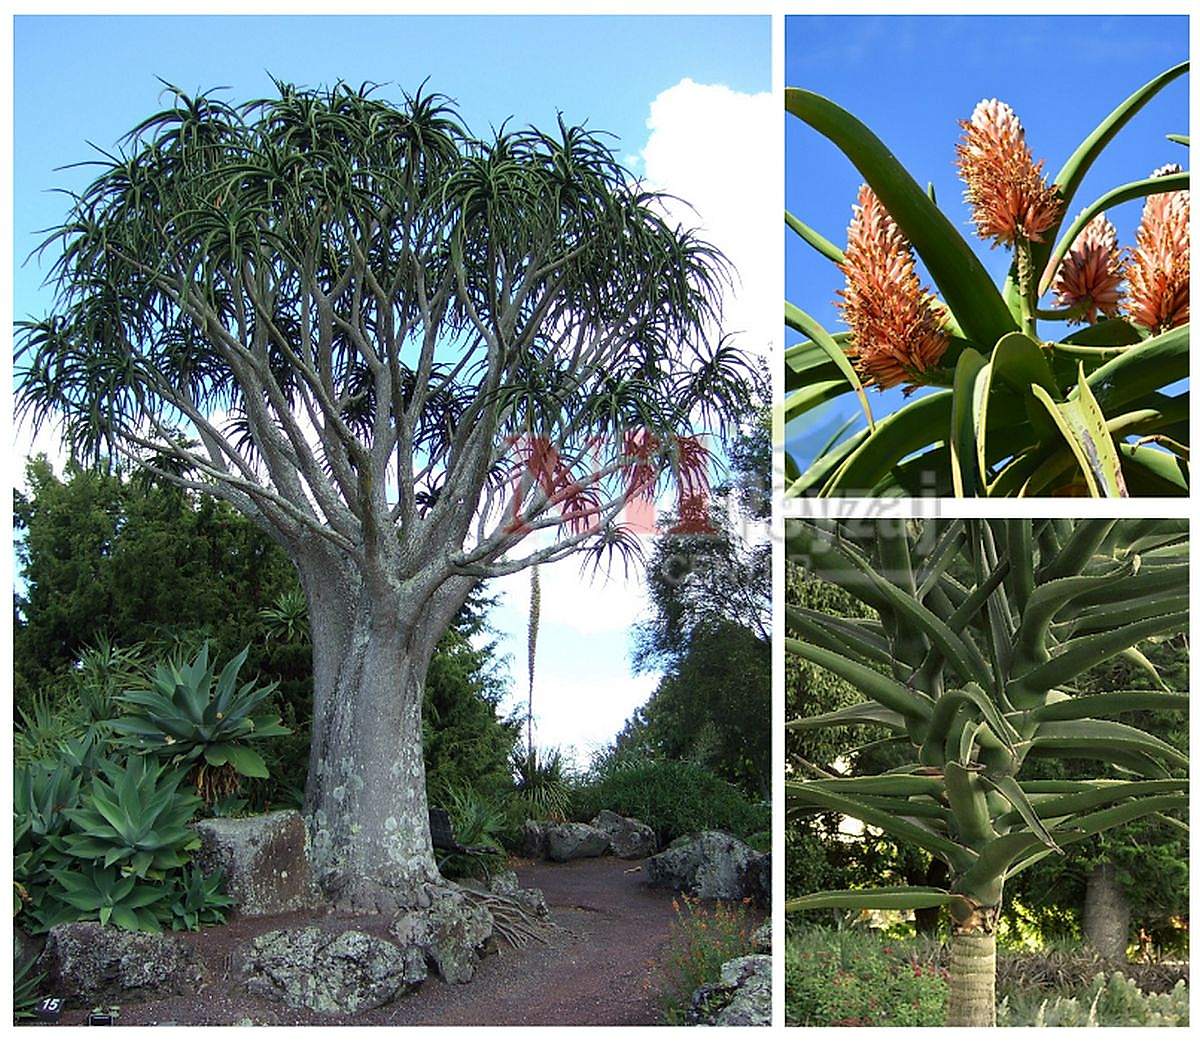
{"x": 350, "y": 317}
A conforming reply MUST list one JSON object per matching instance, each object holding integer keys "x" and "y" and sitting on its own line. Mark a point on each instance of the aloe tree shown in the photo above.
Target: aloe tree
{"x": 1012, "y": 409}
{"x": 973, "y": 636}
{"x": 400, "y": 349}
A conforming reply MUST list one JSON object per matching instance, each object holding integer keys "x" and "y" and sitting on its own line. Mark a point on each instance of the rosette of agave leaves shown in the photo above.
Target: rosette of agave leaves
{"x": 1096, "y": 410}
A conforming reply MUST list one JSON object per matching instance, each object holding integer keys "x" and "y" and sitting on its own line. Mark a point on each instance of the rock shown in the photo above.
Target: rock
{"x": 760, "y": 940}
{"x": 506, "y": 884}
{"x": 264, "y": 860}
{"x": 89, "y": 964}
{"x": 533, "y": 839}
{"x": 712, "y": 865}
{"x": 450, "y": 932}
{"x": 742, "y": 997}
{"x": 629, "y": 837}
{"x": 569, "y": 840}
{"x": 327, "y": 971}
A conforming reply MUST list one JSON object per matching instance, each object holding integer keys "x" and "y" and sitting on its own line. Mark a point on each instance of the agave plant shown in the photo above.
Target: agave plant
{"x": 134, "y": 817}
{"x": 97, "y": 893}
{"x": 973, "y": 635}
{"x": 202, "y": 721}
{"x": 1017, "y": 411}
{"x": 198, "y": 900}
{"x": 42, "y": 793}
{"x": 25, "y": 986}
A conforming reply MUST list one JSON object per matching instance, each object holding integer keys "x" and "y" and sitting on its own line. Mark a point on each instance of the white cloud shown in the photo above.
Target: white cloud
{"x": 580, "y": 712}
{"x": 713, "y": 147}
{"x": 26, "y": 444}
{"x": 576, "y": 600}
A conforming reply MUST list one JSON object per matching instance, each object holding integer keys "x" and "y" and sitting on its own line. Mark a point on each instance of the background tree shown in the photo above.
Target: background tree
{"x": 114, "y": 562}
{"x": 101, "y": 555}
{"x": 1130, "y": 881}
{"x": 710, "y": 629}
{"x": 398, "y": 348}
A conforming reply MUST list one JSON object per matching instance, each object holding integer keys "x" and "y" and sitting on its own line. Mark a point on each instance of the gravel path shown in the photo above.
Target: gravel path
{"x": 612, "y": 926}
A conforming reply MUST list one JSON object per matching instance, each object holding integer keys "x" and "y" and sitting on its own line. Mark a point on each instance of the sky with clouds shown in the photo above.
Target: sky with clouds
{"x": 686, "y": 98}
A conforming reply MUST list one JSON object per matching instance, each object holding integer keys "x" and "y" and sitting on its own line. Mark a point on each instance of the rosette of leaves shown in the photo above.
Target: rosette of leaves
{"x": 1007, "y": 410}
{"x": 203, "y": 721}
{"x": 134, "y": 817}
{"x": 96, "y": 893}
{"x": 971, "y": 656}
{"x": 197, "y": 900}
{"x": 25, "y": 987}
{"x": 42, "y": 793}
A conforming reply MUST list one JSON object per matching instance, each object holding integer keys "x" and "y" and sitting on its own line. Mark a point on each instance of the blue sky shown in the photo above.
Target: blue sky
{"x": 628, "y": 75}
{"x": 911, "y": 78}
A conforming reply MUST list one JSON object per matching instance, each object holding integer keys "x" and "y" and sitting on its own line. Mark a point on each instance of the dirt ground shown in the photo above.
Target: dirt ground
{"x": 613, "y": 925}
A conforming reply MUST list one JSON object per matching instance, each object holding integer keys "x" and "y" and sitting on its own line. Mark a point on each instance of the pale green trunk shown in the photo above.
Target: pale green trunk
{"x": 972, "y": 1001}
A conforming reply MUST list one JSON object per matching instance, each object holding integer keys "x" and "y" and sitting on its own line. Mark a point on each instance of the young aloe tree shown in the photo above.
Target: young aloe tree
{"x": 400, "y": 349}
{"x": 1019, "y": 412}
{"x": 973, "y": 634}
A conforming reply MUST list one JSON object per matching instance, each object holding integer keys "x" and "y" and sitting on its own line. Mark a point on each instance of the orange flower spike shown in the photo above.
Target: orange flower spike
{"x": 1009, "y": 196}
{"x": 1160, "y": 264}
{"x": 1089, "y": 278}
{"x": 896, "y": 331}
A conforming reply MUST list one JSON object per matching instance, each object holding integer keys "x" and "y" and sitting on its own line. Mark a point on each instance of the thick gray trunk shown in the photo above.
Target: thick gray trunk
{"x": 365, "y": 796}
{"x": 1106, "y": 913}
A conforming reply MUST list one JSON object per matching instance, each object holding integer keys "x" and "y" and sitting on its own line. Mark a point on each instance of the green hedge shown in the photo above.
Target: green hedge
{"x": 674, "y": 798}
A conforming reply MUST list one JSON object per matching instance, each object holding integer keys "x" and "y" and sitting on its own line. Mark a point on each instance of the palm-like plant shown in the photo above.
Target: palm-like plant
{"x": 977, "y": 631}
{"x": 1018, "y": 412}
{"x": 134, "y": 817}
{"x": 204, "y": 721}
{"x": 286, "y": 619}
{"x": 541, "y": 784}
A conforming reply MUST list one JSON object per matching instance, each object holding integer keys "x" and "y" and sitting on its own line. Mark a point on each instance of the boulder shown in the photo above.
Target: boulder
{"x": 506, "y": 884}
{"x": 760, "y": 940}
{"x": 88, "y": 964}
{"x": 264, "y": 859}
{"x": 329, "y": 971}
{"x": 742, "y": 997}
{"x": 450, "y": 932}
{"x": 533, "y": 839}
{"x": 570, "y": 840}
{"x": 712, "y": 865}
{"x": 629, "y": 837}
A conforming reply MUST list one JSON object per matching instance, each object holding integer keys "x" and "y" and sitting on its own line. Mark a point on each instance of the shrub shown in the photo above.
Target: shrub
{"x": 541, "y": 783}
{"x": 99, "y": 837}
{"x": 1108, "y": 1001}
{"x": 1071, "y": 969}
{"x": 479, "y": 821}
{"x": 673, "y": 797}
{"x": 703, "y": 938}
{"x": 853, "y": 978}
